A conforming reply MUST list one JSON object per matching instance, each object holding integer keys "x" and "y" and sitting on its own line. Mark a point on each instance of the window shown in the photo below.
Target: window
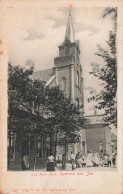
{"x": 66, "y": 50}
{"x": 77, "y": 102}
{"x": 83, "y": 146}
{"x": 40, "y": 147}
{"x": 11, "y": 146}
{"x": 77, "y": 79}
{"x": 101, "y": 147}
{"x": 63, "y": 84}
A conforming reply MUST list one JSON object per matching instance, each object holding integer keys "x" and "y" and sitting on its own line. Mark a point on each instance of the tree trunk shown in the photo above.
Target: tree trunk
{"x": 29, "y": 151}
{"x": 55, "y": 148}
{"x": 65, "y": 152}
{"x": 50, "y": 143}
{"x": 9, "y": 146}
{"x": 35, "y": 153}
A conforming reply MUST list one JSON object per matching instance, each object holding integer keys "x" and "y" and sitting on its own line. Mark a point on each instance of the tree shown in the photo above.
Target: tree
{"x": 107, "y": 97}
{"x": 18, "y": 78}
{"x": 36, "y": 108}
{"x": 24, "y": 97}
{"x": 68, "y": 120}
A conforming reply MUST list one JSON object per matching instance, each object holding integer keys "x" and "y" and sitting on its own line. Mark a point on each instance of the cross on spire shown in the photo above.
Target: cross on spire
{"x": 70, "y": 30}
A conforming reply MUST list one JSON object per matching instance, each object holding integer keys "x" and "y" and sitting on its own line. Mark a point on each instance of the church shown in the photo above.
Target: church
{"x": 67, "y": 74}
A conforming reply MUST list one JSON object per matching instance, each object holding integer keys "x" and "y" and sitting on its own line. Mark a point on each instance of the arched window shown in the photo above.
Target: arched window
{"x": 66, "y": 50}
{"x": 77, "y": 102}
{"x": 63, "y": 84}
{"x": 101, "y": 147}
{"x": 77, "y": 79}
{"x": 83, "y": 146}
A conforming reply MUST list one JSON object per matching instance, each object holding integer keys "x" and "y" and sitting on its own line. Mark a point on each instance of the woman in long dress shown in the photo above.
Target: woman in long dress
{"x": 89, "y": 162}
{"x": 26, "y": 165}
{"x": 96, "y": 159}
{"x": 50, "y": 163}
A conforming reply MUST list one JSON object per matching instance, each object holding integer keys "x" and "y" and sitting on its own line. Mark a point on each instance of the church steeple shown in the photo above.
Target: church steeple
{"x": 69, "y": 50}
{"x": 67, "y": 67}
{"x": 70, "y": 30}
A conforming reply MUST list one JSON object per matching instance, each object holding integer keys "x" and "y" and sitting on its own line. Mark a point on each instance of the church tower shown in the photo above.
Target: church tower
{"x": 67, "y": 66}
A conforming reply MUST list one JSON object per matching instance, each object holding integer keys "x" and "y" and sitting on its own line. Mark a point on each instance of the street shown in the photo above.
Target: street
{"x": 69, "y": 168}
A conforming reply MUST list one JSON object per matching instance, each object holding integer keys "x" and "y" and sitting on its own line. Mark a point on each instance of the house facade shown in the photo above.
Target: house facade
{"x": 114, "y": 143}
{"x": 98, "y": 135}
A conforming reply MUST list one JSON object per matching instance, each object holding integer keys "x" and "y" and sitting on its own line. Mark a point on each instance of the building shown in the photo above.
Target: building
{"x": 67, "y": 74}
{"x": 114, "y": 143}
{"x": 98, "y": 135}
{"x": 37, "y": 147}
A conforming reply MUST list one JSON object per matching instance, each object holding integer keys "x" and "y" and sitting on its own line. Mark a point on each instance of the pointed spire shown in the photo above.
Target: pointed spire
{"x": 70, "y": 30}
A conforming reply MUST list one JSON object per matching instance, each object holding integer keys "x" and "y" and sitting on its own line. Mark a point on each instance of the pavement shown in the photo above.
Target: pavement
{"x": 69, "y": 168}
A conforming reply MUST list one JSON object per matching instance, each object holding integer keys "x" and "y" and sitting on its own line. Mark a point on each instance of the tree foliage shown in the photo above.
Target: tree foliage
{"x": 107, "y": 97}
{"x": 68, "y": 118}
{"x": 38, "y": 108}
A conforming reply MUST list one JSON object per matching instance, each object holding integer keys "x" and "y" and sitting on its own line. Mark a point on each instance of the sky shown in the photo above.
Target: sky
{"x": 36, "y": 33}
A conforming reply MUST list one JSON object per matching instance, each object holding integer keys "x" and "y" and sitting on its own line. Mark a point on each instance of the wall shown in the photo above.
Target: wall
{"x": 78, "y": 90}
{"x": 95, "y": 135}
{"x": 16, "y": 164}
{"x": 80, "y": 147}
{"x": 66, "y": 73}
{"x": 71, "y": 51}
{"x": 108, "y": 140}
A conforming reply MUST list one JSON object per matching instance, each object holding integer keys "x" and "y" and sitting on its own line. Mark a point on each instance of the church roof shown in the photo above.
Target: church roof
{"x": 44, "y": 75}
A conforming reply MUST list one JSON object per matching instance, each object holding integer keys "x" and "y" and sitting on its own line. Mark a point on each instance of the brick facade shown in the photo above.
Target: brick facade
{"x": 98, "y": 135}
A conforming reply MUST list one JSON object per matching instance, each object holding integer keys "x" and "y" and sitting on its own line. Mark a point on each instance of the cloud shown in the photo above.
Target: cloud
{"x": 36, "y": 34}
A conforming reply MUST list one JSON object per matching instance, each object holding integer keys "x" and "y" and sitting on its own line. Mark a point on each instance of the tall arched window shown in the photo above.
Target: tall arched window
{"x": 66, "y": 50}
{"x": 77, "y": 102}
{"x": 101, "y": 147}
{"x": 77, "y": 79}
{"x": 63, "y": 84}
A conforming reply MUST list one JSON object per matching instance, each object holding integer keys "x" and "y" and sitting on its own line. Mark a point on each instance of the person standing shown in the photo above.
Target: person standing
{"x": 63, "y": 161}
{"x": 96, "y": 159}
{"x": 78, "y": 160}
{"x": 26, "y": 165}
{"x": 89, "y": 159}
{"x": 113, "y": 160}
{"x": 83, "y": 160}
{"x": 105, "y": 160}
{"x": 72, "y": 159}
{"x": 50, "y": 163}
{"x": 109, "y": 160}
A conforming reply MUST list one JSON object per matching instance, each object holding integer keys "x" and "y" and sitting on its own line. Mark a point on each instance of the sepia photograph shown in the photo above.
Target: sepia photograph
{"x": 61, "y": 97}
{"x": 62, "y": 89}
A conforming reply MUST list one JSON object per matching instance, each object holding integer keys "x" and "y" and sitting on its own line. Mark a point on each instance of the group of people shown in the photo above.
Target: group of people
{"x": 92, "y": 160}
{"x": 79, "y": 160}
